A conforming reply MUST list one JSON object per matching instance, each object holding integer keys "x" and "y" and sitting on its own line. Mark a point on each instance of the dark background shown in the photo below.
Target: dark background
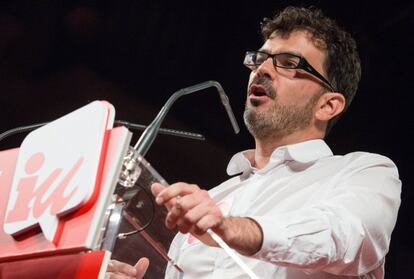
{"x": 56, "y": 56}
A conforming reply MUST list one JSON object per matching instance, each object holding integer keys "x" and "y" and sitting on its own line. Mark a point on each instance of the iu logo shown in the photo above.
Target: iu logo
{"x": 56, "y": 171}
{"x": 37, "y": 202}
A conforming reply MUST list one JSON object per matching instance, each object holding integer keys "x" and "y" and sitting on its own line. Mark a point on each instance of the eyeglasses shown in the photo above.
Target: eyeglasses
{"x": 284, "y": 60}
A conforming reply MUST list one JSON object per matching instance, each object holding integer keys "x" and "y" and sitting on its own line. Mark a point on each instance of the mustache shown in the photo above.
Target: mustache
{"x": 266, "y": 83}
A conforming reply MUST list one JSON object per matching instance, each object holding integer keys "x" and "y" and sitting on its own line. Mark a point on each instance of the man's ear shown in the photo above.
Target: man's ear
{"x": 330, "y": 104}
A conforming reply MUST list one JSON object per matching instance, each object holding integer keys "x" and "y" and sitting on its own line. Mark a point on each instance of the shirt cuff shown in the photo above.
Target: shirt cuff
{"x": 294, "y": 238}
{"x": 274, "y": 240}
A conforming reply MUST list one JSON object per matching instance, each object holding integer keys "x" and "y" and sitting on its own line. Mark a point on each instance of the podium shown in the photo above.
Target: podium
{"x": 60, "y": 206}
{"x": 66, "y": 191}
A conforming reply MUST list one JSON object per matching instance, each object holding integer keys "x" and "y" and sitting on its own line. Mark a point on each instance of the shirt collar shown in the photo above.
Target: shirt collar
{"x": 304, "y": 153}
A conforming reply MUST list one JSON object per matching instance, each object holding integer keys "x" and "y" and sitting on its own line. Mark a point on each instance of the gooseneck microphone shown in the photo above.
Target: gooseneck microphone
{"x": 148, "y": 136}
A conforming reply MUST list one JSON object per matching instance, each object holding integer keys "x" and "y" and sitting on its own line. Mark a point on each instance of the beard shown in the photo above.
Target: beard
{"x": 279, "y": 120}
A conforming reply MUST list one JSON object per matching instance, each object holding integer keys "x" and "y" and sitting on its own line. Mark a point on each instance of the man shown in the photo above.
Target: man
{"x": 296, "y": 211}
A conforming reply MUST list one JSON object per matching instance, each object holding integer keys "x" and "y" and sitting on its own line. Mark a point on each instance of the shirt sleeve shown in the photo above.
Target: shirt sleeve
{"x": 171, "y": 271}
{"x": 347, "y": 232}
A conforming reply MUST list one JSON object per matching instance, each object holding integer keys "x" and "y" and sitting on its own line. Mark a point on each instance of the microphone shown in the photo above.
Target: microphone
{"x": 130, "y": 172}
{"x": 148, "y": 136}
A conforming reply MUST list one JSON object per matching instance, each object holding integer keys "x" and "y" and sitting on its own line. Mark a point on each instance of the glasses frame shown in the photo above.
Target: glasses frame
{"x": 302, "y": 65}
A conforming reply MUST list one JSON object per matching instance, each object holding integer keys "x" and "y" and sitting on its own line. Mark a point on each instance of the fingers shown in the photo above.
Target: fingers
{"x": 141, "y": 267}
{"x": 190, "y": 221}
{"x": 207, "y": 222}
{"x": 120, "y": 267}
{"x": 174, "y": 214}
{"x": 179, "y": 213}
{"x": 197, "y": 213}
{"x": 205, "y": 216}
{"x": 168, "y": 193}
{"x": 156, "y": 188}
{"x": 190, "y": 208}
{"x": 120, "y": 270}
{"x": 111, "y": 275}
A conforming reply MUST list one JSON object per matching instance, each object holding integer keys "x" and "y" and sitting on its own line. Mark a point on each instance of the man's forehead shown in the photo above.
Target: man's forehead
{"x": 319, "y": 43}
{"x": 277, "y": 43}
{"x": 297, "y": 42}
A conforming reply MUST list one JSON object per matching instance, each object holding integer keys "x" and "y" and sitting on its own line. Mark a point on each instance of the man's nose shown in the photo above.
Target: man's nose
{"x": 267, "y": 69}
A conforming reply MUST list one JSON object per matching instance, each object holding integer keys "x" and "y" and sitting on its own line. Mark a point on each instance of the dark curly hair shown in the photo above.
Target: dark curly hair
{"x": 342, "y": 63}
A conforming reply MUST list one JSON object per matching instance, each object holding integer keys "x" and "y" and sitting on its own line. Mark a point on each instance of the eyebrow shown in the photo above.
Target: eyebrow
{"x": 288, "y": 51}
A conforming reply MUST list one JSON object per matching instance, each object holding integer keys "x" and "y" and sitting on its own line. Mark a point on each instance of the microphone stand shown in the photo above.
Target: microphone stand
{"x": 148, "y": 136}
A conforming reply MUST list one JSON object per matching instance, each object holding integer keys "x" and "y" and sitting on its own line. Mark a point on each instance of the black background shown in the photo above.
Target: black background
{"x": 56, "y": 56}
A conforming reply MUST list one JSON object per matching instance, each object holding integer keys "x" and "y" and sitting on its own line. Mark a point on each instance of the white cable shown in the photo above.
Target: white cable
{"x": 232, "y": 254}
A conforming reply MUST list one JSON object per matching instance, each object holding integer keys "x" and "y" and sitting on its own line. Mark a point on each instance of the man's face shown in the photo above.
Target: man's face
{"x": 277, "y": 103}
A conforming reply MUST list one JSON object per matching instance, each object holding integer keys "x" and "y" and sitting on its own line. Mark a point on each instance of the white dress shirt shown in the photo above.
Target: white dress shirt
{"x": 323, "y": 216}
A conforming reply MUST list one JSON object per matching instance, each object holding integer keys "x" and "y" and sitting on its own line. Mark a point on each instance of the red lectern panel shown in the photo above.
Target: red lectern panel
{"x": 55, "y": 191}
{"x": 73, "y": 266}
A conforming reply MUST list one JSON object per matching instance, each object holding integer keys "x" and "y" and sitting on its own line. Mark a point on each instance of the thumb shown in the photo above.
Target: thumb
{"x": 141, "y": 267}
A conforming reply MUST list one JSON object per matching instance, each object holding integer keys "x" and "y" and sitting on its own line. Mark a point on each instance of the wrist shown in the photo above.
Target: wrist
{"x": 243, "y": 234}
{"x": 259, "y": 232}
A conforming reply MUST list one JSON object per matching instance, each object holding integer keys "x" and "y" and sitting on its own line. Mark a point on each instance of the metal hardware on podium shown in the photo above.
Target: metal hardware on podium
{"x": 114, "y": 215}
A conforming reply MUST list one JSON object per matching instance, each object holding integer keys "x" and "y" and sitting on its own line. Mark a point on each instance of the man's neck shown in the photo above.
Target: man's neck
{"x": 265, "y": 147}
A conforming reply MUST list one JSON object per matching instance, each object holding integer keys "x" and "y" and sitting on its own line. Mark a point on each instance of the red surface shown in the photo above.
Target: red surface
{"x": 86, "y": 265}
{"x": 74, "y": 229}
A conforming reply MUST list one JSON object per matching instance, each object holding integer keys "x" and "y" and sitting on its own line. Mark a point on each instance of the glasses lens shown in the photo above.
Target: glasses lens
{"x": 254, "y": 58}
{"x": 286, "y": 60}
{"x": 250, "y": 58}
{"x": 261, "y": 57}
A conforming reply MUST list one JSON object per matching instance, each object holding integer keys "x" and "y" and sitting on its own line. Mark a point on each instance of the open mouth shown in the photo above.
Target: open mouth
{"x": 258, "y": 95}
{"x": 257, "y": 91}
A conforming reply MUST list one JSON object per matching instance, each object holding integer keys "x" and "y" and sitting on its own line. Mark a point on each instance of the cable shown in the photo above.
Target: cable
{"x": 21, "y": 130}
{"x": 125, "y": 235}
{"x": 140, "y": 127}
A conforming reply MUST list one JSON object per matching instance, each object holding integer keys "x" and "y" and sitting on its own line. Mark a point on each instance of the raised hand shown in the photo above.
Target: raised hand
{"x": 120, "y": 270}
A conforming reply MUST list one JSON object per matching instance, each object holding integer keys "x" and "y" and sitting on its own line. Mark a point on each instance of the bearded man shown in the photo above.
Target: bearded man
{"x": 294, "y": 210}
